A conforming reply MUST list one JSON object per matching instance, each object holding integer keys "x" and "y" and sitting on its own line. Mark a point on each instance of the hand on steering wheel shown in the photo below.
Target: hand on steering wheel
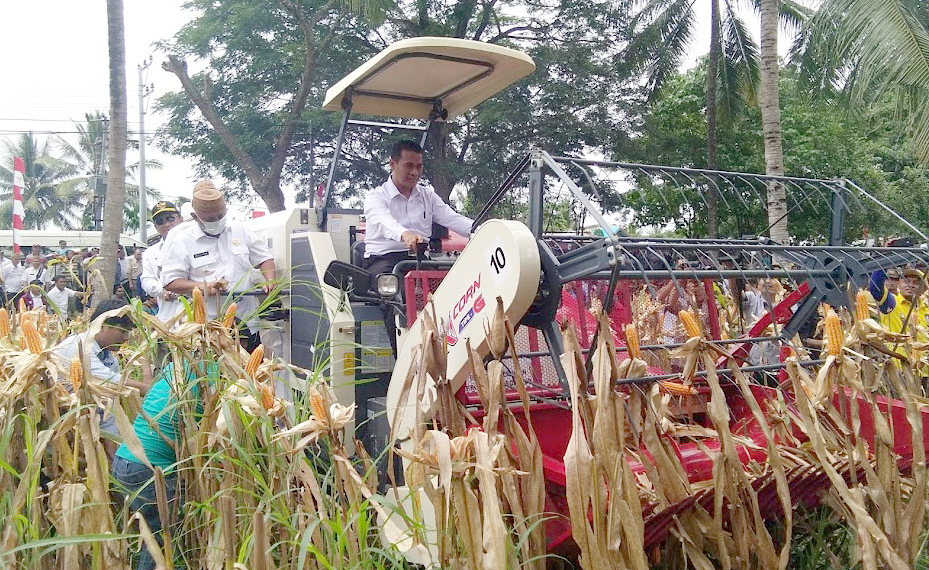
{"x": 411, "y": 239}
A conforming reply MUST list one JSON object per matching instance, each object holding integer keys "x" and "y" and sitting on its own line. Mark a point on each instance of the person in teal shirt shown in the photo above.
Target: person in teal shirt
{"x": 157, "y": 428}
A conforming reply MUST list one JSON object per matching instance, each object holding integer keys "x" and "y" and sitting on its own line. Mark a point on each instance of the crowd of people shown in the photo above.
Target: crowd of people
{"x": 208, "y": 251}
{"x": 64, "y": 280}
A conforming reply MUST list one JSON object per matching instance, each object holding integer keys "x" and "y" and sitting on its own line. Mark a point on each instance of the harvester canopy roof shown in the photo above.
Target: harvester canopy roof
{"x": 412, "y": 77}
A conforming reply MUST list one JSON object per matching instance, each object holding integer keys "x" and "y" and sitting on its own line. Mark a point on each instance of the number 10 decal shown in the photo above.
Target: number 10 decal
{"x": 498, "y": 260}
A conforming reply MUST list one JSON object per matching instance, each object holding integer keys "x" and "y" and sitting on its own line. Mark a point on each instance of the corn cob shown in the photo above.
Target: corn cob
{"x": 267, "y": 395}
{"x": 254, "y": 360}
{"x": 76, "y": 373}
{"x": 22, "y": 307}
{"x": 22, "y": 343}
{"x": 43, "y": 323}
{"x": 677, "y": 389}
{"x": 318, "y": 405}
{"x": 632, "y": 342}
{"x": 496, "y": 335}
{"x": 4, "y": 322}
{"x": 199, "y": 306}
{"x": 229, "y": 317}
{"x": 862, "y": 312}
{"x": 691, "y": 324}
{"x": 31, "y": 335}
{"x": 835, "y": 336}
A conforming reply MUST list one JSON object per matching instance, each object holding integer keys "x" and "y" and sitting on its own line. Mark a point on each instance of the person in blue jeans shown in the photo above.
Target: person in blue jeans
{"x": 158, "y": 429}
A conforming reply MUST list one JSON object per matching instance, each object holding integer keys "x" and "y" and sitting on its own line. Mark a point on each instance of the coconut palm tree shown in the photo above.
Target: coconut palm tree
{"x": 664, "y": 33}
{"x": 873, "y": 49}
{"x": 53, "y": 191}
{"x": 116, "y": 179}
{"x": 771, "y": 123}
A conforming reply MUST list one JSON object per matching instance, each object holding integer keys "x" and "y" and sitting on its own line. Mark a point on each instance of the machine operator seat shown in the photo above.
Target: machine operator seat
{"x": 358, "y": 254}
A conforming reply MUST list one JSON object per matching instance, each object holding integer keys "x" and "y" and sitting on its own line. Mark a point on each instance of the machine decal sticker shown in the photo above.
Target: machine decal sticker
{"x": 469, "y": 316}
{"x": 469, "y": 294}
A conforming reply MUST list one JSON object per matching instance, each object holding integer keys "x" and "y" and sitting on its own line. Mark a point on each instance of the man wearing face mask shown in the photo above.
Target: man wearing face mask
{"x": 216, "y": 255}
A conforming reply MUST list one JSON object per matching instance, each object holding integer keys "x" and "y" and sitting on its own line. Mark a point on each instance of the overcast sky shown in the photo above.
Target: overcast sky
{"x": 54, "y": 55}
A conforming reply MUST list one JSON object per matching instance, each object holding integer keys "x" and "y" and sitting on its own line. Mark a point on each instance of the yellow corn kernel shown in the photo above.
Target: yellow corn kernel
{"x": 318, "y": 405}
{"x": 862, "y": 312}
{"x": 31, "y": 335}
{"x": 76, "y": 373}
{"x": 4, "y": 322}
{"x": 691, "y": 324}
{"x": 199, "y": 306}
{"x": 632, "y": 342}
{"x": 229, "y": 317}
{"x": 835, "y": 336}
{"x": 251, "y": 367}
{"x": 677, "y": 389}
{"x": 267, "y": 395}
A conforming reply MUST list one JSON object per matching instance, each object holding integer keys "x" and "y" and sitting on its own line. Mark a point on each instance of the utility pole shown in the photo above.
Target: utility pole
{"x": 144, "y": 92}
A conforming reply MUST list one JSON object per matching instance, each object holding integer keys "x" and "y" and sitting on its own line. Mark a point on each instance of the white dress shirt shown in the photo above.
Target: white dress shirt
{"x": 388, "y": 214}
{"x": 32, "y": 274}
{"x": 151, "y": 282}
{"x": 14, "y": 277}
{"x": 59, "y": 298}
{"x": 231, "y": 256}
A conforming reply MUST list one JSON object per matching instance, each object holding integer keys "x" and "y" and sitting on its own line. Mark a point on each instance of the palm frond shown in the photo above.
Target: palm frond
{"x": 740, "y": 55}
{"x": 888, "y": 41}
{"x": 662, "y": 32}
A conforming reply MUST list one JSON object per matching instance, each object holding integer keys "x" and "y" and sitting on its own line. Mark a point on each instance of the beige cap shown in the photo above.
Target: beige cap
{"x": 207, "y": 200}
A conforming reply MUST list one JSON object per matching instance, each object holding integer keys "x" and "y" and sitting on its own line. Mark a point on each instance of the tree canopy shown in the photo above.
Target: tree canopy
{"x": 823, "y": 138}
{"x": 252, "y": 56}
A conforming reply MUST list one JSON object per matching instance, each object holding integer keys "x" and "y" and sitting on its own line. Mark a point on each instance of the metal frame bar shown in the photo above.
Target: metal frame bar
{"x": 382, "y": 125}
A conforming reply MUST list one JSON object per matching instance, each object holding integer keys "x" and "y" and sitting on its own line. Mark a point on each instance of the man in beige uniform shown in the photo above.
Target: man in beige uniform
{"x": 216, "y": 255}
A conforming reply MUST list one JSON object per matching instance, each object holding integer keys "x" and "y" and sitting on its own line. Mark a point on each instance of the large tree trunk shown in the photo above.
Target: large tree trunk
{"x": 712, "y": 72}
{"x": 116, "y": 179}
{"x": 771, "y": 122}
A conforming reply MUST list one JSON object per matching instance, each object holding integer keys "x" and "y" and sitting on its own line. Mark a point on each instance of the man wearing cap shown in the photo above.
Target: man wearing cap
{"x": 896, "y": 313}
{"x": 165, "y": 217}
{"x": 216, "y": 255}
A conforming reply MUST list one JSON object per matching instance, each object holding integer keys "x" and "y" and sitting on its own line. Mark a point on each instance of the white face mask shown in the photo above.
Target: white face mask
{"x": 214, "y": 228}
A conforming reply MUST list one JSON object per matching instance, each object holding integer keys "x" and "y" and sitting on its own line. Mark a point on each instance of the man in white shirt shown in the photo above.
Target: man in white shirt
{"x": 399, "y": 213}
{"x": 5, "y": 266}
{"x": 60, "y": 296}
{"x": 165, "y": 217}
{"x": 101, "y": 349}
{"x": 32, "y": 296}
{"x": 217, "y": 256}
{"x": 14, "y": 279}
{"x": 37, "y": 271}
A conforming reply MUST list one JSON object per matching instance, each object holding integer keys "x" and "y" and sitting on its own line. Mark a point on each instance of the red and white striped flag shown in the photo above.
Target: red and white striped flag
{"x": 19, "y": 174}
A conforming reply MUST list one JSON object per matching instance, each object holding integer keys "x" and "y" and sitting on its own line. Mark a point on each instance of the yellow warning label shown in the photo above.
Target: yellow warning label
{"x": 348, "y": 364}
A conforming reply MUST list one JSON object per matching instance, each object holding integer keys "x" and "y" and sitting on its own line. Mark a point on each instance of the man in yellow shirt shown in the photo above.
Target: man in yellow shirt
{"x": 898, "y": 314}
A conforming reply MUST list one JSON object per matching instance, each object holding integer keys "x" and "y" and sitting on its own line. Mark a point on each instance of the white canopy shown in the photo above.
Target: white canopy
{"x": 405, "y": 79}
